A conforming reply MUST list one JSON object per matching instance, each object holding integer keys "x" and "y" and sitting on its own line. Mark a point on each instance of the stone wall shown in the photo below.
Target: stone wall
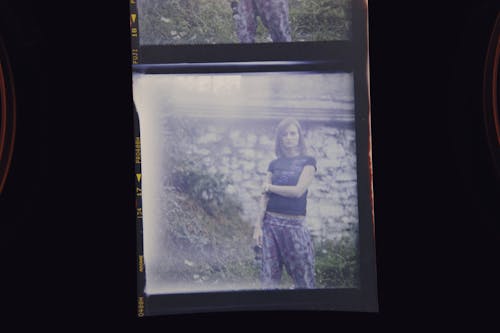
{"x": 242, "y": 150}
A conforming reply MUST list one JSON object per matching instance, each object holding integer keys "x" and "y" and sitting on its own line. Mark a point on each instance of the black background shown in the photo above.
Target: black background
{"x": 67, "y": 211}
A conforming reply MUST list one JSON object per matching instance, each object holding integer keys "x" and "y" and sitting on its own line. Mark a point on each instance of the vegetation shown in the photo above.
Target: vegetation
{"x": 205, "y": 240}
{"x": 337, "y": 264}
{"x": 320, "y": 20}
{"x": 210, "y": 21}
{"x": 210, "y": 248}
{"x": 207, "y": 190}
{"x": 210, "y": 243}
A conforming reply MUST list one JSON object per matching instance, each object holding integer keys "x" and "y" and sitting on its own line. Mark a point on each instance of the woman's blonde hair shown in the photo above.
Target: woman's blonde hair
{"x": 280, "y": 129}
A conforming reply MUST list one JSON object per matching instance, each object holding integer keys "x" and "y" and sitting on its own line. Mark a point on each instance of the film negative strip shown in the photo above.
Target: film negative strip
{"x": 141, "y": 280}
{"x": 207, "y": 105}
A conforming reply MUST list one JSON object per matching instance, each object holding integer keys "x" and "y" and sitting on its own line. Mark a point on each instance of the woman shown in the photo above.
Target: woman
{"x": 281, "y": 229}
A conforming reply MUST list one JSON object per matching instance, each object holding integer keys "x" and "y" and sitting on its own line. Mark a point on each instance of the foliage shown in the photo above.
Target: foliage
{"x": 208, "y": 190}
{"x": 320, "y": 20}
{"x": 204, "y": 238}
{"x": 337, "y": 264}
{"x": 185, "y": 21}
{"x": 188, "y": 174}
{"x": 211, "y": 21}
{"x": 200, "y": 247}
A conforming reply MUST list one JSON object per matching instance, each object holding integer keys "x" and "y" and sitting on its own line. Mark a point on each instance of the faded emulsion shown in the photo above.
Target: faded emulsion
{"x": 214, "y": 136}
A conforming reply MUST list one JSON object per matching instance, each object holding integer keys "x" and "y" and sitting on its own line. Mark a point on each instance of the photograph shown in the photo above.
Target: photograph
{"x": 226, "y": 164}
{"x": 249, "y": 181}
{"x": 168, "y": 22}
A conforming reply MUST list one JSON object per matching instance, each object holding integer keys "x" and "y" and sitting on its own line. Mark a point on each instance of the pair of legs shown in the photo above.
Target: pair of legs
{"x": 273, "y": 14}
{"x": 286, "y": 242}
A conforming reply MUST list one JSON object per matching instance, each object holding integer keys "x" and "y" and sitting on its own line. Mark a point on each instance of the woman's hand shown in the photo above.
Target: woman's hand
{"x": 257, "y": 235}
{"x": 265, "y": 188}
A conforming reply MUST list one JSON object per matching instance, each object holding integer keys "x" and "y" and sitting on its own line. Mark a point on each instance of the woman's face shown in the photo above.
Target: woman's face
{"x": 290, "y": 137}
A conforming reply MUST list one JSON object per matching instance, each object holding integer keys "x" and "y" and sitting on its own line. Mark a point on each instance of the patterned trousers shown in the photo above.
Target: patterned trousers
{"x": 286, "y": 242}
{"x": 273, "y": 14}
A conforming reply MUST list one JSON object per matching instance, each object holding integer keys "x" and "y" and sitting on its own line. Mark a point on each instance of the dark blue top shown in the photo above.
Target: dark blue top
{"x": 286, "y": 171}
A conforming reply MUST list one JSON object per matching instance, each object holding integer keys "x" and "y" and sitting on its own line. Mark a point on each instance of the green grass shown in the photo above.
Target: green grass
{"x": 337, "y": 264}
{"x": 211, "y": 22}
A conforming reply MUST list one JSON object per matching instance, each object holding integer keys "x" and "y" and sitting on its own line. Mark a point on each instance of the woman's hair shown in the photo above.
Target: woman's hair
{"x": 280, "y": 129}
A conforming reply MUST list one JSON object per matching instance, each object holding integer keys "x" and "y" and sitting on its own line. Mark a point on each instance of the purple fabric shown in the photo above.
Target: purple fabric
{"x": 286, "y": 242}
{"x": 273, "y": 14}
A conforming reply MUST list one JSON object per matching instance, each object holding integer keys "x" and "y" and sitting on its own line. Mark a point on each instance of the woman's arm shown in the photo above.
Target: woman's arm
{"x": 257, "y": 234}
{"x": 295, "y": 191}
{"x": 263, "y": 201}
{"x": 262, "y": 208}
